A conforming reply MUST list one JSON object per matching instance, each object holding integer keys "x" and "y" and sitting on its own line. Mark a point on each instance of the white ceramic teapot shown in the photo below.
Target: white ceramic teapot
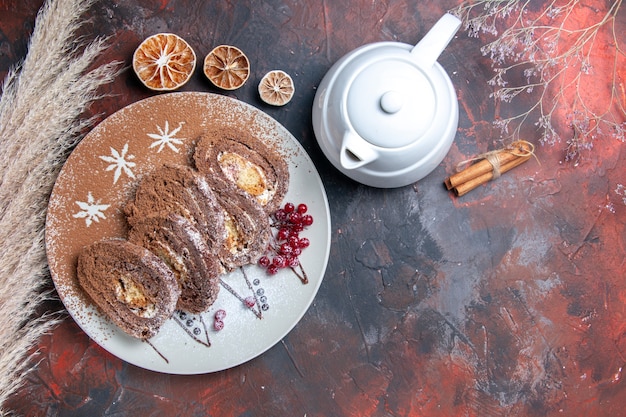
{"x": 386, "y": 113}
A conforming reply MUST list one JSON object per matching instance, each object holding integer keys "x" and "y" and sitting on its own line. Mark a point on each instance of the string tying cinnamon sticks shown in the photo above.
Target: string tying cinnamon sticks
{"x": 488, "y": 166}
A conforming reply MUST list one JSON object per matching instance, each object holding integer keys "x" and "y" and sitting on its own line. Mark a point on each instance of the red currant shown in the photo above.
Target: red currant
{"x": 220, "y": 314}
{"x": 293, "y": 241}
{"x": 283, "y": 233}
{"x": 289, "y": 208}
{"x": 218, "y": 325}
{"x": 249, "y": 302}
{"x": 280, "y": 215}
{"x": 286, "y": 248}
{"x": 279, "y": 261}
{"x": 264, "y": 261}
{"x": 295, "y": 218}
{"x": 290, "y": 220}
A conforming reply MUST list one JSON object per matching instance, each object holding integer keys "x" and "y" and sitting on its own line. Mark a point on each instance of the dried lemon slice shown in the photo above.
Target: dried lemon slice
{"x": 164, "y": 62}
{"x": 227, "y": 67}
{"x": 276, "y": 88}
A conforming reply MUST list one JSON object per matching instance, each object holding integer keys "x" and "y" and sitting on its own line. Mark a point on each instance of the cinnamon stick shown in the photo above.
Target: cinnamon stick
{"x": 468, "y": 186}
{"x": 478, "y": 169}
{"x": 487, "y": 169}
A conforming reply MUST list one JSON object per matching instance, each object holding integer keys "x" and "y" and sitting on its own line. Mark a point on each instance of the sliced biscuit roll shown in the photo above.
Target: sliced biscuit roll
{"x": 131, "y": 285}
{"x": 236, "y": 158}
{"x": 248, "y": 229}
{"x": 176, "y": 241}
{"x": 181, "y": 190}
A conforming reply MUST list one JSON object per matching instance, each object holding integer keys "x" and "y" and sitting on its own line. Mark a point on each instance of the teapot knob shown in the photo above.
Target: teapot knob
{"x": 391, "y": 102}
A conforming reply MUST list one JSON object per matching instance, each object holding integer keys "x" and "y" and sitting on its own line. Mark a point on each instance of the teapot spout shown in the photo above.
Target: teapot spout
{"x": 356, "y": 152}
{"x": 435, "y": 41}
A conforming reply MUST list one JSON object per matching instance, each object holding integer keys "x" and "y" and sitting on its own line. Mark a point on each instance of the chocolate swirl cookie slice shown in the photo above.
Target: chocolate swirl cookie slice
{"x": 130, "y": 284}
{"x": 176, "y": 241}
{"x": 182, "y": 190}
{"x": 236, "y": 158}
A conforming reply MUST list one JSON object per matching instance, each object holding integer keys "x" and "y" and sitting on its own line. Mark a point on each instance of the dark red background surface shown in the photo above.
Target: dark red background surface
{"x": 508, "y": 301}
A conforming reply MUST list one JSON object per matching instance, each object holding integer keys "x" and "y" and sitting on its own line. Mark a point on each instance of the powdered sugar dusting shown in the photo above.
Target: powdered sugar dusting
{"x": 119, "y": 162}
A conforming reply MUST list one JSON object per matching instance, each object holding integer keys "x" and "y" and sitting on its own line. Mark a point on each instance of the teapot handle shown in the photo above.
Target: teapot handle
{"x": 435, "y": 41}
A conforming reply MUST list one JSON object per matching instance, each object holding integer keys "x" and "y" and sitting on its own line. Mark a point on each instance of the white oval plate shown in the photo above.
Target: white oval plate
{"x": 99, "y": 178}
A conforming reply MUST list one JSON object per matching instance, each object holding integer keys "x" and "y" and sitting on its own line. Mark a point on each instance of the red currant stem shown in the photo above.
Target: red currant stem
{"x": 156, "y": 350}
{"x": 206, "y": 331}
{"x": 278, "y": 224}
{"x": 303, "y": 277}
{"x": 257, "y": 305}
{"x": 193, "y": 336}
{"x": 231, "y": 290}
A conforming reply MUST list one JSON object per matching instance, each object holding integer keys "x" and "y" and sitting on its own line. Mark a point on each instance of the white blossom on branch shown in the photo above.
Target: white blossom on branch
{"x": 566, "y": 55}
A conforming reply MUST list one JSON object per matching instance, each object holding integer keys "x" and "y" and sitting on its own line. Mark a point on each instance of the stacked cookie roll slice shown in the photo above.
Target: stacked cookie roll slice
{"x": 187, "y": 226}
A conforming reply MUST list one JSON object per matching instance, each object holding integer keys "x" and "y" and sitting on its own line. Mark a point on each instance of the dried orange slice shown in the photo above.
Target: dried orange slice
{"x": 164, "y": 62}
{"x": 227, "y": 67}
{"x": 276, "y": 88}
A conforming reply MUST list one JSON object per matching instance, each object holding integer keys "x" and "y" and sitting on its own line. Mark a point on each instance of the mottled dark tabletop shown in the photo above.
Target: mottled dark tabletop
{"x": 510, "y": 300}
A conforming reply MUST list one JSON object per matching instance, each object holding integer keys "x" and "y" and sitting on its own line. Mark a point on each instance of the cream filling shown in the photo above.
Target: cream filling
{"x": 248, "y": 176}
{"x": 132, "y": 294}
{"x": 175, "y": 262}
{"x": 233, "y": 242}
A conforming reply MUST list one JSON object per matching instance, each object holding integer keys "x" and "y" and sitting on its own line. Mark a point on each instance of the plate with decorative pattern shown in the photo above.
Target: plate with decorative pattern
{"x": 100, "y": 177}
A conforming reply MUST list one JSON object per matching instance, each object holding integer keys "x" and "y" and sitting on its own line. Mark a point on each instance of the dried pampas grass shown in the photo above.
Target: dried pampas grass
{"x": 41, "y": 118}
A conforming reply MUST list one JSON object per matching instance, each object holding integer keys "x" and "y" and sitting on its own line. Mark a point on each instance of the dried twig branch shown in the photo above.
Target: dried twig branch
{"x": 557, "y": 53}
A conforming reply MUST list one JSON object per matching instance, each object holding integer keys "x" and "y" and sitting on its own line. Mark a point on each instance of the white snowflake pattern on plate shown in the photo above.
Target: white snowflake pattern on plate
{"x": 166, "y": 138}
{"x": 120, "y": 162}
{"x": 91, "y": 210}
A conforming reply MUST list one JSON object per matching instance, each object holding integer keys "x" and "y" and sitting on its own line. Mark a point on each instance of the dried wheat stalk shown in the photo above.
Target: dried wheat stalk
{"x": 41, "y": 119}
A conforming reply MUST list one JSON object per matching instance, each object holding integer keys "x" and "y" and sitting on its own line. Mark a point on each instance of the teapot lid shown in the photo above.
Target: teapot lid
{"x": 391, "y": 102}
